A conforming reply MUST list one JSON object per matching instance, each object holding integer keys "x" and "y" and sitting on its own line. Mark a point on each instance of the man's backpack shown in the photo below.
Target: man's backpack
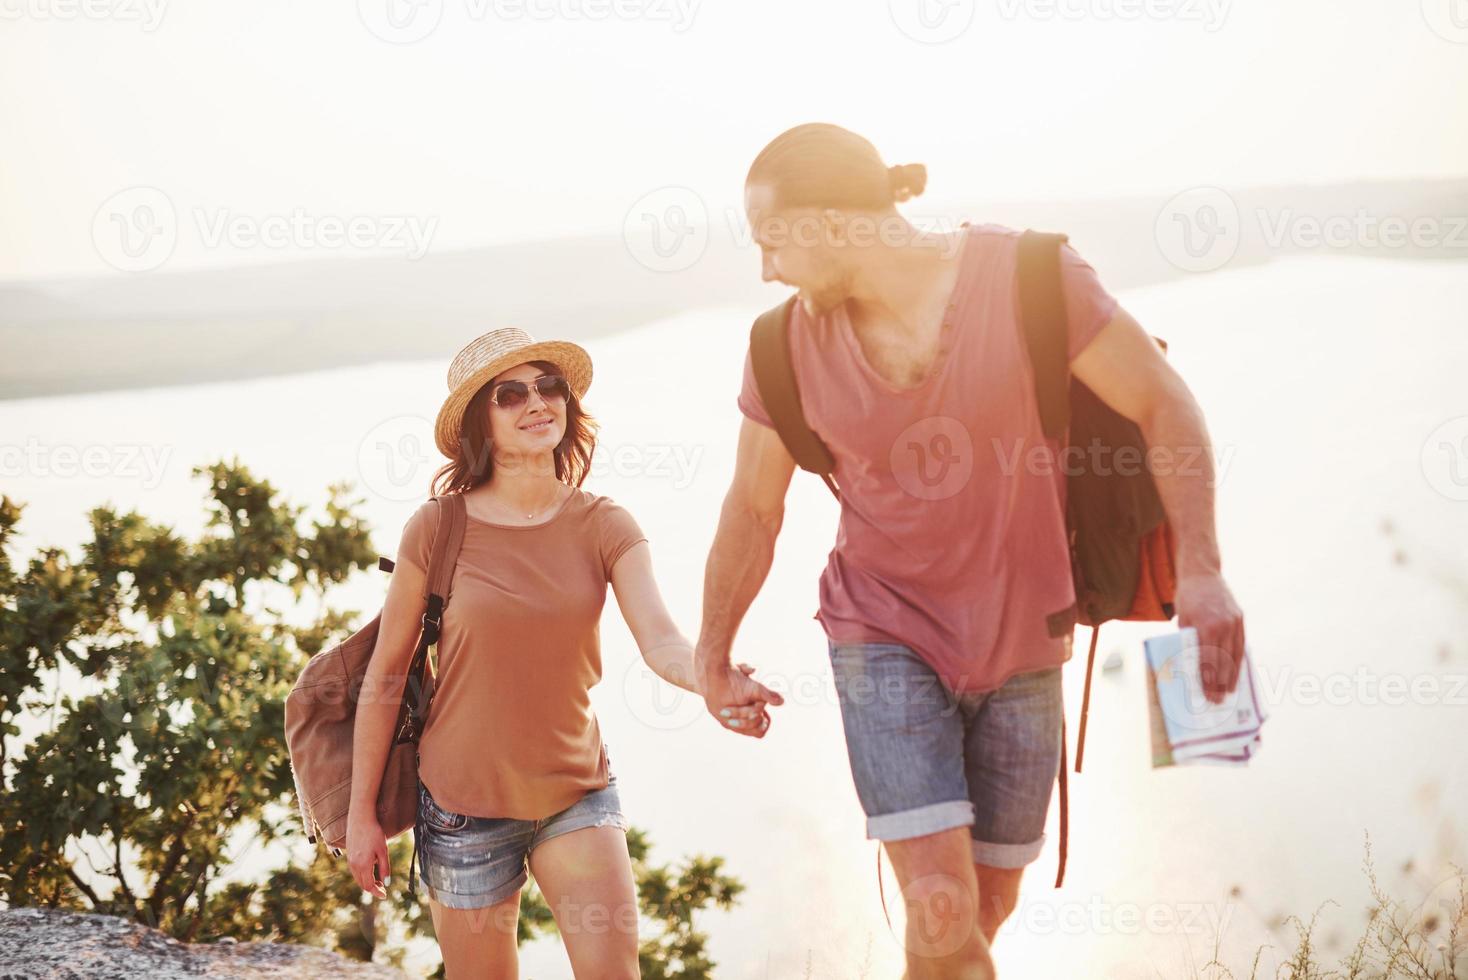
{"x": 321, "y": 710}
{"x": 1121, "y": 546}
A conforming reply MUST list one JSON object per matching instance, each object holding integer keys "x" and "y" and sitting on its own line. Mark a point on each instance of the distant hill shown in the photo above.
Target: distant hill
{"x": 163, "y": 328}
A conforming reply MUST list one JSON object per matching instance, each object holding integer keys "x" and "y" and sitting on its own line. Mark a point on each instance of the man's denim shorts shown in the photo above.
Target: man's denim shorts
{"x": 469, "y": 862}
{"x": 926, "y": 760}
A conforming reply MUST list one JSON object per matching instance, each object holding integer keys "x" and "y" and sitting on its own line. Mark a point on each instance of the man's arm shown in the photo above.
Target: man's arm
{"x": 739, "y": 561}
{"x": 1126, "y": 369}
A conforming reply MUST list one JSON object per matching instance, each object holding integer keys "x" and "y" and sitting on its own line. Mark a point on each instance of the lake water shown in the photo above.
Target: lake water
{"x": 1326, "y": 382}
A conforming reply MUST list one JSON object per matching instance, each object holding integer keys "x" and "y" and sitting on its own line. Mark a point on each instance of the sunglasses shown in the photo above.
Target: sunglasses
{"x": 513, "y": 394}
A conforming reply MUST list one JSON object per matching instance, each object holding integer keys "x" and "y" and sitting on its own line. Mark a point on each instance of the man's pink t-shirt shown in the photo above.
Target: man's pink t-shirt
{"x": 952, "y": 532}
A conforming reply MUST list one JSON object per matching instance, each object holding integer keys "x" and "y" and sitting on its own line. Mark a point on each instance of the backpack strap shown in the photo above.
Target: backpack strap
{"x": 447, "y": 542}
{"x": 1047, "y": 339}
{"x": 774, "y": 374}
{"x": 1042, "y": 311}
{"x": 445, "y": 554}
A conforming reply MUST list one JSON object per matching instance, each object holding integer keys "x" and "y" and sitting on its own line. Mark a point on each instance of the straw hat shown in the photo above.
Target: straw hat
{"x": 488, "y": 355}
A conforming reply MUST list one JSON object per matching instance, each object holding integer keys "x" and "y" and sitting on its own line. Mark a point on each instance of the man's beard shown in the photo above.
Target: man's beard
{"x": 824, "y": 300}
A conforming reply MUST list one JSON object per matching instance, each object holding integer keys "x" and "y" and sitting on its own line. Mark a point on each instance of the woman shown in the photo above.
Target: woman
{"x": 511, "y": 759}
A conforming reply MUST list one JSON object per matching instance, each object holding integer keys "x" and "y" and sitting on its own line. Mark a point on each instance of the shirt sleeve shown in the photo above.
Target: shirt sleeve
{"x": 1088, "y": 306}
{"x": 750, "y": 402}
{"x": 619, "y": 532}
{"x": 416, "y": 544}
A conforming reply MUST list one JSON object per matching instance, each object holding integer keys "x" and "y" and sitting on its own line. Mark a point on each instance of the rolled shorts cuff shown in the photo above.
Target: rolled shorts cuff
{"x": 921, "y": 820}
{"x": 1008, "y": 856}
{"x": 579, "y": 821}
{"x": 450, "y": 900}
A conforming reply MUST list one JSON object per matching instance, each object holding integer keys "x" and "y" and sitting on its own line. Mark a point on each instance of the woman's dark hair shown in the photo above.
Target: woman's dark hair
{"x": 821, "y": 165}
{"x": 475, "y": 462}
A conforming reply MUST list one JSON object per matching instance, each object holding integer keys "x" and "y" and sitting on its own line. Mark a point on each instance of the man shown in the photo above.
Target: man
{"x": 951, "y": 570}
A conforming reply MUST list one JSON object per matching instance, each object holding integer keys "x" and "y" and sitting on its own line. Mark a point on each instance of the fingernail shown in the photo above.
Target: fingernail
{"x": 735, "y": 723}
{"x": 724, "y": 712}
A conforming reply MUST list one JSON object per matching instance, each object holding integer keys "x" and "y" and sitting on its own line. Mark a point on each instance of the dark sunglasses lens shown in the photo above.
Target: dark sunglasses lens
{"x": 553, "y": 386}
{"x": 511, "y": 394}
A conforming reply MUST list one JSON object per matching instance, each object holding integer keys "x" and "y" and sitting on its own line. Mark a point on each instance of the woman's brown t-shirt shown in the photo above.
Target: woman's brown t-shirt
{"x": 511, "y": 732}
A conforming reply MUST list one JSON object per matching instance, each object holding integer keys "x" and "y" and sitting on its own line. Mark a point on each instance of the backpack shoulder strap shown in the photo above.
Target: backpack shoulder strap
{"x": 419, "y": 683}
{"x": 774, "y": 374}
{"x": 1042, "y": 313}
{"x": 452, "y": 515}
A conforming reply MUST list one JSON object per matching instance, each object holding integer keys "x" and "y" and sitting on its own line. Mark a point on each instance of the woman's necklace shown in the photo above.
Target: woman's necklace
{"x": 555, "y": 494}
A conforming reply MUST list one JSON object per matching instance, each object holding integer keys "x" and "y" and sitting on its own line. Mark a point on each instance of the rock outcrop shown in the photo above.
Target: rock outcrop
{"x": 51, "y": 943}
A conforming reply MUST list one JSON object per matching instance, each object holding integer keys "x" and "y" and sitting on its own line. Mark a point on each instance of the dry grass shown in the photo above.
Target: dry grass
{"x": 1426, "y": 940}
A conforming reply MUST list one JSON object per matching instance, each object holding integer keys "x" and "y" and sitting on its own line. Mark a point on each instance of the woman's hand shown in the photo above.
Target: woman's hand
{"x": 367, "y": 854}
{"x": 736, "y": 700}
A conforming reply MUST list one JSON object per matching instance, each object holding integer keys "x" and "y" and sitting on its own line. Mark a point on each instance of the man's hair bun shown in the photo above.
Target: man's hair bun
{"x": 907, "y": 180}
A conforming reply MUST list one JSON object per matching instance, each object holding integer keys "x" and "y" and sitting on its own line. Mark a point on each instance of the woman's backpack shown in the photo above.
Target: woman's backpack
{"x": 321, "y": 710}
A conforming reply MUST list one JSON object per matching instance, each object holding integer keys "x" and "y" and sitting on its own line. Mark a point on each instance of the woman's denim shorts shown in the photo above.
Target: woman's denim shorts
{"x": 471, "y": 862}
{"x": 925, "y": 759}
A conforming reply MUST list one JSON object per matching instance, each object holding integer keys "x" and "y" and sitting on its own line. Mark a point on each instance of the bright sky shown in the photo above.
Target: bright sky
{"x": 514, "y": 119}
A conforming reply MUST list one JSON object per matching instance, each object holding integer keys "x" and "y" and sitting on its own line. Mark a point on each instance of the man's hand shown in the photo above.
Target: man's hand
{"x": 735, "y": 699}
{"x": 1205, "y": 603}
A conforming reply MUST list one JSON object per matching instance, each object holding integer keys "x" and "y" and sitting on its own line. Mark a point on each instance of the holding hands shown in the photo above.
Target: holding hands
{"x": 735, "y": 699}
